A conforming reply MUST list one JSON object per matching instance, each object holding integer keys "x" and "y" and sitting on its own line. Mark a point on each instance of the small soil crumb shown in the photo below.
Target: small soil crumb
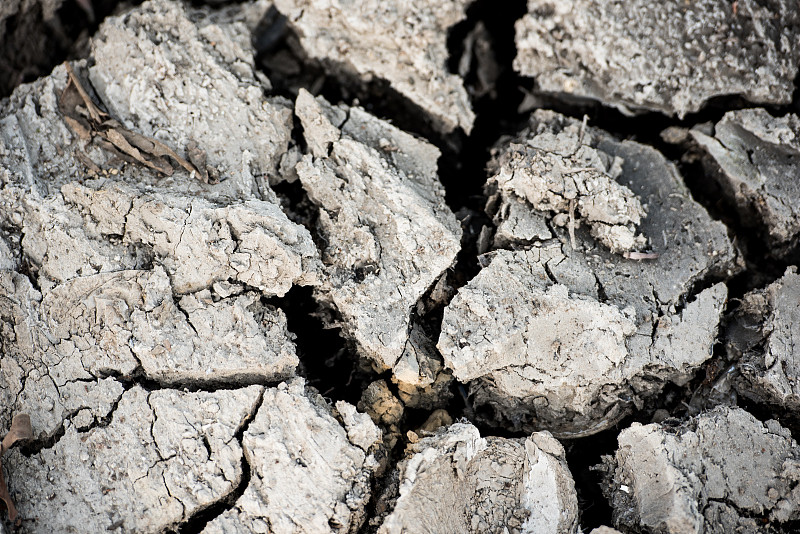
{"x": 672, "y": 56}
{"x": 698, "y": 478}
{"x": 561, "y": 333}
{"x": 456, "y": 481}
{"x": 756, "y": 159}
{"x": 387, "y": 233}
{"x": 404, "y": 43}
{"x": 309, "y": 474}
{"x": 163, "y": 456}
{"x": 764, "y": 339}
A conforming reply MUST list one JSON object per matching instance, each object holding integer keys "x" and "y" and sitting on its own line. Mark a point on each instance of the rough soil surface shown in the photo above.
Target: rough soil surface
{"x": 234, "y": 298}
{"x": 457, "y": 481}
{"x": 763, "y": 339}
{"x": 404, "y": 43}
{"x": 672, "y": 56}
{"x": 387, "y": 231}
{"x": 697, "y": 477}
{"x": 755, "y": 157}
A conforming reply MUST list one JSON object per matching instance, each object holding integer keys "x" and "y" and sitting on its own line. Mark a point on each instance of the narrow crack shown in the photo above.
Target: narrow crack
{"x": 198, "y": 521}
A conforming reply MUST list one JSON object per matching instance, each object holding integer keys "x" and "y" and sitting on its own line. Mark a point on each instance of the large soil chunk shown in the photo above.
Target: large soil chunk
{"x": 764, "y": 338}
{"x": 756, "y": 159}
{"x": 561, "y": 332}
{"x": 387, "y": 231}
{"x": 182, "y": 81}
{"x": 308, "y": 472}
{"x": 669, "y": 56}
{"x": 722, "y": 471}
{"x": 456, "y": 481}
{"x": 404, "y": 43}
{"x": 163, "y": 456}
{"x": 62, "y": 349}
{"x": 129, "y": 273}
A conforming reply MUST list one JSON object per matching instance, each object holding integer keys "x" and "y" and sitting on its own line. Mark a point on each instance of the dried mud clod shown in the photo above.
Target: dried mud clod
{"x": 763, "y": 339}
{"x": 402, "y": 43}
{"x": 460, "y": 482}
{"x": 561, "y": 333}
{"x": 697, "y": 477}
{"x": 672, "y": 56}
{"x": 755, "y": 158}
{"x": 387, "y": 233}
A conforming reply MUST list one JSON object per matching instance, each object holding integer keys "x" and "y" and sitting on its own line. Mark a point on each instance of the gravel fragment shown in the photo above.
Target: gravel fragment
{"x": 672, "y": 56}
{"x": 456, "y": 481}
{"x": 756, "y": 159}
{"x": 387, "y": 232}
{"x": 570, "y": 339}
{"x": 404, "y": 43}
{"x": 721, "y": 471}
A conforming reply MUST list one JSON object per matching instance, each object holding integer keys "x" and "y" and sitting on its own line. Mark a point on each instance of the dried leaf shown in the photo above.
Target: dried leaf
{"x": 198, "y": 159}
{"x": 80, "y": 130}
{"x": 118, "y": 140}
{"x": 86, "y": 119}
{"x": 94, "y": 111}
{"x": 156, "y": 148}
{"x": 20, "y": 431}
{"x": 87, "y": 161}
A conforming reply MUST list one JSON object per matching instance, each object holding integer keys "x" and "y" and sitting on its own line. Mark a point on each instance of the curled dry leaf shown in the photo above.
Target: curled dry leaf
{"x": 87, "y": 120}
{"x": 20, "y": 431}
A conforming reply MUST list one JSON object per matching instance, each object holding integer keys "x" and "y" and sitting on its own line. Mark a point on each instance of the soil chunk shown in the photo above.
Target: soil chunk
{"x": 672, "y": 56}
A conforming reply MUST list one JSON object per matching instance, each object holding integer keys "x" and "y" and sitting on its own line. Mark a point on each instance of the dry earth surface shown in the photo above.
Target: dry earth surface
{"x": 381, "y": 267}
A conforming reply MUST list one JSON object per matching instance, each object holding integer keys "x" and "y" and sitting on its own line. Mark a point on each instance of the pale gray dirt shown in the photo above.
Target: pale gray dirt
{"x": 671, "y": 56}
{"x": 308, "y": 473}
{"x": 560, "y": 332}
{"x": 155, "y": 329}
{"x": 164, "y": 455}
{"x": 404, "y": 43}
{"x": 714, "y": 474}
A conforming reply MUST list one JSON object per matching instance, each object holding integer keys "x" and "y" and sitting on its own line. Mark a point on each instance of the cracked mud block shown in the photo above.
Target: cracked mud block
{"x": 559, "y": 332}
{"x": 387, "y": 231}
{"x": 182, "y": 81}
{"x": 763, "y": 336}
{"x": 203, "y": 234}
{"x": 44, "y": 376}
{"x": 756, "y": 159}
{"x": 722, "y": 471}
{"x": 164, "y": 76}
{"x": 162, "y": 457}
{"x": 457, "y": 481}
{"x": 308, "y": 472}
{"x": 404, "y": 43}
{"x": 63, "y": 351}
{"x": 201, "y": 242}
{"x": 672, "y": 56}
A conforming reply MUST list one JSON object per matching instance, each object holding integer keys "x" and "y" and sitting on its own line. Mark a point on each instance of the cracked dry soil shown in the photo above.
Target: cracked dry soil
{"x": 382, "y": 267}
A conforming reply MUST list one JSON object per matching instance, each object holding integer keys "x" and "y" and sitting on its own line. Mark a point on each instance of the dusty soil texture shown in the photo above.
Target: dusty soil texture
{"x": 283, "y": 266}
